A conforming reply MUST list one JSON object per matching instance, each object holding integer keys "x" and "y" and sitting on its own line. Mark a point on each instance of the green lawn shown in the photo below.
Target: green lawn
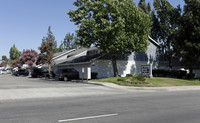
{"x": 153, "y": 82}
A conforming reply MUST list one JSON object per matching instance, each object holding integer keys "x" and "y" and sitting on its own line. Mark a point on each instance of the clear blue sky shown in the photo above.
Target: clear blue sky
{"x": 25, "y": 22}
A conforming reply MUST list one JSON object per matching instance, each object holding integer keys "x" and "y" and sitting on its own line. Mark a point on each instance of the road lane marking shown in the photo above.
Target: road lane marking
{"x": 90, "y": 117}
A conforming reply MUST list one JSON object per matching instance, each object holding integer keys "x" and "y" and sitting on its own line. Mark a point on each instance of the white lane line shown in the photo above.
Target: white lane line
{"x": 90, "y": 117}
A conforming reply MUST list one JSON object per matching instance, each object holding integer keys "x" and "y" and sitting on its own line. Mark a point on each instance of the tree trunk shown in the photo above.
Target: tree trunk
{"x": 114, "y": 64}
{"x": 191, "y": 76}
{"x": 170, "y": 62}
{"x": 49, "y": 68}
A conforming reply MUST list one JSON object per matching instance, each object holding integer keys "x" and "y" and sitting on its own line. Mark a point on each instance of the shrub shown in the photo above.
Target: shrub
{"x": 170, "y": 73}
{"x": 94, "y": 75}
{"x": 191, "y": 76}
{"x": 162, "y": 73}
{"x": 182, "y": 74}
{"x": 136, "y": 79}
{"x": 122, "y": 79}
{"x": 139, "y": 78}
{"x": 48, "y": 75}
{"x": 129, "y": 75}
{"x": 174, "y": 73}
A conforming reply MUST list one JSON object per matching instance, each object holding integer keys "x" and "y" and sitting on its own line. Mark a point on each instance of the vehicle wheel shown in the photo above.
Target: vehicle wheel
{"x": 65, "y": 78}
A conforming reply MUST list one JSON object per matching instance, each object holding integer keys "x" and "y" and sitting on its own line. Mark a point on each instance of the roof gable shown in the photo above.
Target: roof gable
{"x": 60, "y": 54}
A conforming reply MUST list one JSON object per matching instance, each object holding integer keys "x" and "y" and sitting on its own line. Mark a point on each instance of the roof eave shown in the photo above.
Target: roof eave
{"x": 154, "y": 42}
{"x": 63, "y": 54}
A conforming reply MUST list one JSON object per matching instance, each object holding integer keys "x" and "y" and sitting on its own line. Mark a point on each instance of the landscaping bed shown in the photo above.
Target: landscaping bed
{"x": 139, "y": 81}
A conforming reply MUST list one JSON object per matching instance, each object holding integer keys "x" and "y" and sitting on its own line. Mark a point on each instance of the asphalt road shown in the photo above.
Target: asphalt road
{"x": 30, "y": 100}
{"x": 143, "y": 107}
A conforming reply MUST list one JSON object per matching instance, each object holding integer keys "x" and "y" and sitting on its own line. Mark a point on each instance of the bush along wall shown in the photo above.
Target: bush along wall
{"x": 173, "y": 74}
{"x": 94, "y": 75}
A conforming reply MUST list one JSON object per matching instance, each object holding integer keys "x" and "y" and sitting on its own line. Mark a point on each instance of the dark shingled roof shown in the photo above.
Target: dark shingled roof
{"x": 72, "y": 58}
{"x": 86, "y": 58}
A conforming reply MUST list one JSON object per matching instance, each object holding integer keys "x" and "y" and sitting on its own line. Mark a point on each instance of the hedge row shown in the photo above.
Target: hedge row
{"x": 94, "y": 75}
{"x": 173, "y": 74}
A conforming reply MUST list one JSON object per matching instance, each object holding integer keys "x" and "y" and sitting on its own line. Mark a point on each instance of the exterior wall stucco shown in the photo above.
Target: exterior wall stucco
{"x": 104, "y": 67}
{"x": 132, "y": 64}
{"x": 197, "y": 72}
{"x": 152, "y": 52}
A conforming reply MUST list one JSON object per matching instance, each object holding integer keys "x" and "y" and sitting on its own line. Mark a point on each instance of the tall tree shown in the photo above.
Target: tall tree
{"x": 48, "y": 48}
{"x": 145, "y": 7}
{"x": 165, "y": 25}
{"x": 14, "y": 53}
{"x": 114, "y": 26}
{"x": 188, "y": 36}
{"x": 46, "y": 54}
{"x": 5, "y": 58}
{"x": 5, "y": 61}
{"x": 51, "y": 38}
{"x": 155, "y": 27}
{"x": 70, "y": 42}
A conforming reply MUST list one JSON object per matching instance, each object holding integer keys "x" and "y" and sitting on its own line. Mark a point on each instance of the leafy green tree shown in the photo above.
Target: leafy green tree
{"x": 114, "y": 26}
{"x": 188, "y": 36}
{"x": 70, "y": 42}
{"x": 14, "y": 53}
{"x": 5, "y": 58}
{"x": 165, "y": 25}
{"x": 145, "y": 7}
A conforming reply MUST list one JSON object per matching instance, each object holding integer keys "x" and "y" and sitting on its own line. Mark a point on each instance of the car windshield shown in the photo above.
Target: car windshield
{"x": 44, "y": 70}
{"x": 73, "y": 70}
{"x": 58, "y": 71}
{"x": 65, "y": 70}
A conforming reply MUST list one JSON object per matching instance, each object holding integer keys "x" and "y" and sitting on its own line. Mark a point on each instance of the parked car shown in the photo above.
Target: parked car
{"x": 67, "y": 74}
{"x": 39, "y": 72}
{"x": 3, "y": 72}
{"x": 21, "y": 72}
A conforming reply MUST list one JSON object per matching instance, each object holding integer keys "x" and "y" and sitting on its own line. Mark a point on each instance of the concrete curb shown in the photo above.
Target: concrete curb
{"x": 173, "y": 88}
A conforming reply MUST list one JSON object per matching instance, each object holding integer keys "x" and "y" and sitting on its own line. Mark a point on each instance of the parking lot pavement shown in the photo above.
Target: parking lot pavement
{"x": 22, "y": 82}
{"x": 12, "y": 88}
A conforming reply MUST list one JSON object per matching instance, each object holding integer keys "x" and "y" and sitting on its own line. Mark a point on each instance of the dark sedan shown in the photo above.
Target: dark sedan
{"x": 67, "y": 74}
{"x": 39, "y": 72}
{"x": 21, "y": 72}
